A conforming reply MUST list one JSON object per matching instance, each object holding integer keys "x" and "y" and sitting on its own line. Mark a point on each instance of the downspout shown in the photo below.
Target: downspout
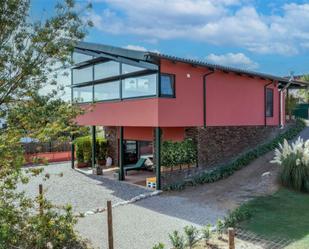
{"x": 204, "y": 95}
{"x": 280, "y": 94}
{"x": 280, "y": 106}
{"x": 265, "y": 87}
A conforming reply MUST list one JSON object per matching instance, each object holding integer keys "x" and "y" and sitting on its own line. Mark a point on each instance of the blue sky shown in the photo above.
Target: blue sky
{"x": 265, "y": 36}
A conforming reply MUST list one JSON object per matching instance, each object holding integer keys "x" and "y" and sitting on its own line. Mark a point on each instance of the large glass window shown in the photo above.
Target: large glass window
{"x": 130, "y": 69}
{"x": 139, "y": 86}
{"x": 82, "y": 94}
{"x": 167, "y": 87}
{"x": 79, "y": 57}
{"x": 82, "y": 75}
{"x": 106, "y": 69}
{"x": 269, "y": 102}
{"x": 107, "y": 91}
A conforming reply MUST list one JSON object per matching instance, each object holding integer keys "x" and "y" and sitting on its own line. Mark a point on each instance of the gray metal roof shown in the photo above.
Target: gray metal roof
{"x": 153, "y": 58}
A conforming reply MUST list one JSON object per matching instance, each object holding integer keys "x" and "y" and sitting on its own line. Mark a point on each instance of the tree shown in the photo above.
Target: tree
{"x": 290, "y": 104}
{"x": 30, "y": 51}
{"x": 304, "y": 93}
{"x": 29, "y": 54}
{"x": 45, "y": 118}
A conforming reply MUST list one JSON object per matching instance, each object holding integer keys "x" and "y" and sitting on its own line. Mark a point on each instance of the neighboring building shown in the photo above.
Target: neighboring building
{"x": 142, "y": 98}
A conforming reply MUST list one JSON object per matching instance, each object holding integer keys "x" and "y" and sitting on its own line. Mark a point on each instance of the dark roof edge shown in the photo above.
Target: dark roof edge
{"x": 123, "y": 52}
{"x": 153, "y": 57}
{"x": 229, "y": 69}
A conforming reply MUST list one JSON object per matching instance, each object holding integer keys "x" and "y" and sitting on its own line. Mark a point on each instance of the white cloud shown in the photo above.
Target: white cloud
{"x": 221, "y": 22}
{"x": 140, "y": 48}
{"x": 234, "y": 60}
{"x": 136, "y": 47}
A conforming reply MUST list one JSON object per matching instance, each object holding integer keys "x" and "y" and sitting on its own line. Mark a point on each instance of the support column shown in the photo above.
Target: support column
{"x": 121, "y": 155}
{"x": 93, "y": 157}
{"x": 72, "y": 152}
{"x": 158, "y": 157}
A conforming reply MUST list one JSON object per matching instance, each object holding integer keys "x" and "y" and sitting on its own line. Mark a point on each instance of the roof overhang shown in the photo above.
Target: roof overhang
{"x": 150, "y": 60}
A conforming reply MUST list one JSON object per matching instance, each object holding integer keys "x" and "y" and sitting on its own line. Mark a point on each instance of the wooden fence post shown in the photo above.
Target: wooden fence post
{"x": 231, "y": 233}
{"x": 41, "y": 198}
{"x": 110, "y": 225}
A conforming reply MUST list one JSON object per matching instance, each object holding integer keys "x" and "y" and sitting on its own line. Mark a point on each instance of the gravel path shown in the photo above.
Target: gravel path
{"x": 83, "y": 192}
{"x": 145, "y": 223}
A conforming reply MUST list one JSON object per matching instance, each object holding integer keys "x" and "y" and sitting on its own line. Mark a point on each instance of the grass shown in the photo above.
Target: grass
{"x": 284, "y": 214}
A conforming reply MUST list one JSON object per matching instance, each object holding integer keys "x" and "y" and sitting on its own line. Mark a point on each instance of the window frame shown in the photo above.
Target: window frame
{"x": 173, "y": 77}
{"x": 271, "y": 114}
{"x": 121, "y": 77}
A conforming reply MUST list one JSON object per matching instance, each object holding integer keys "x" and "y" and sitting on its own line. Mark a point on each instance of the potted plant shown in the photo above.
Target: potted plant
{"x": 101, "y": 151}
{"x": 97, "y": 170}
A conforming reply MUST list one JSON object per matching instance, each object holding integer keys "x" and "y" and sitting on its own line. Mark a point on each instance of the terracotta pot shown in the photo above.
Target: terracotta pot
{"x": 81, "y": 165}
{"x": 102, "y": 162}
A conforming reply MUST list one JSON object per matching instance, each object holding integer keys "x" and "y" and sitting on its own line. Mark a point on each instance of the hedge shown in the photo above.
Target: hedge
{"x": 84, "y": 149}
{"x": 225, "y": 170}
{"x": 178, "y": 153}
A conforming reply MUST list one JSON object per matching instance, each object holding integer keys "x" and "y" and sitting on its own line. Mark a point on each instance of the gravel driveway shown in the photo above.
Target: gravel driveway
{"x": 83, "y": 192}
{"x": 144, "y": 223}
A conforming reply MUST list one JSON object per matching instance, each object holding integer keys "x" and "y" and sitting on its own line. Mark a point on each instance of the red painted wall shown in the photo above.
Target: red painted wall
{"x": 133, "y": 112}
{"x": 232, "y": 100}
{"x": 147, "y": 133}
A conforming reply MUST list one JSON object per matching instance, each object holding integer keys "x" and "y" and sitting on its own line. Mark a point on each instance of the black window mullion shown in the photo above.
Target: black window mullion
{"x": 120, "y": 81}
{"x": 269, "y": 102}
{"x": 93, "y": 84}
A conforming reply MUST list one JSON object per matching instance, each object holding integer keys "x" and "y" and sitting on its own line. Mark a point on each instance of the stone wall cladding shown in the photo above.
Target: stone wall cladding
{"x": 112, "y": 138}
{"x": 216, "y": 145}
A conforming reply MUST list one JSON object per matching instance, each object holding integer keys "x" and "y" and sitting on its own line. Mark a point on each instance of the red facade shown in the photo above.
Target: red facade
{"x": 231, "y": 100}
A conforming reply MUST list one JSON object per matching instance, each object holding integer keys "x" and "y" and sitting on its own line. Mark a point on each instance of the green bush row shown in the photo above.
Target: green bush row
{"x": 225, "y": 170}
{"x": 178, "y": 153}
{"x": 84, "y": 149}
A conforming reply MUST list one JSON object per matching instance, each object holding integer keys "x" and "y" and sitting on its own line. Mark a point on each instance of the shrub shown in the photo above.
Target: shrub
{"x": 206, "y": 233}
{"x": 237, "y": 215}
{"x": 191, "y": 236}
{"x": 178, "y": 153}
{"x": 294, "y": 162}
{"x": 101, "y": 149}
{"x": 84, "y": 149}
{"x": 220, "y": 228}
{"x": 177, "y": 240}
{"x": 159, "y": 246}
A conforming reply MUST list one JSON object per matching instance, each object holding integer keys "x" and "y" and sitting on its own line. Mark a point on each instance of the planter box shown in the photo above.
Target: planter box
{"x": 102, "y": 162}
{"x": 177, "y": 168}
{"x": 82, "y": 165}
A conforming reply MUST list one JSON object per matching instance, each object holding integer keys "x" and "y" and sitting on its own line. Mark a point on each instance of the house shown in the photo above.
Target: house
{"x": 143, "y": 98}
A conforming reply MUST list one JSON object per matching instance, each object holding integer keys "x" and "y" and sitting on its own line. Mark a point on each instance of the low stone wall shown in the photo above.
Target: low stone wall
{"x": 176, "y": 176}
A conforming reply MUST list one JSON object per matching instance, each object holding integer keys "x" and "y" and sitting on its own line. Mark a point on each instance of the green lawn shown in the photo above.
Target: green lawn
{"x": 282, "y": 215}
